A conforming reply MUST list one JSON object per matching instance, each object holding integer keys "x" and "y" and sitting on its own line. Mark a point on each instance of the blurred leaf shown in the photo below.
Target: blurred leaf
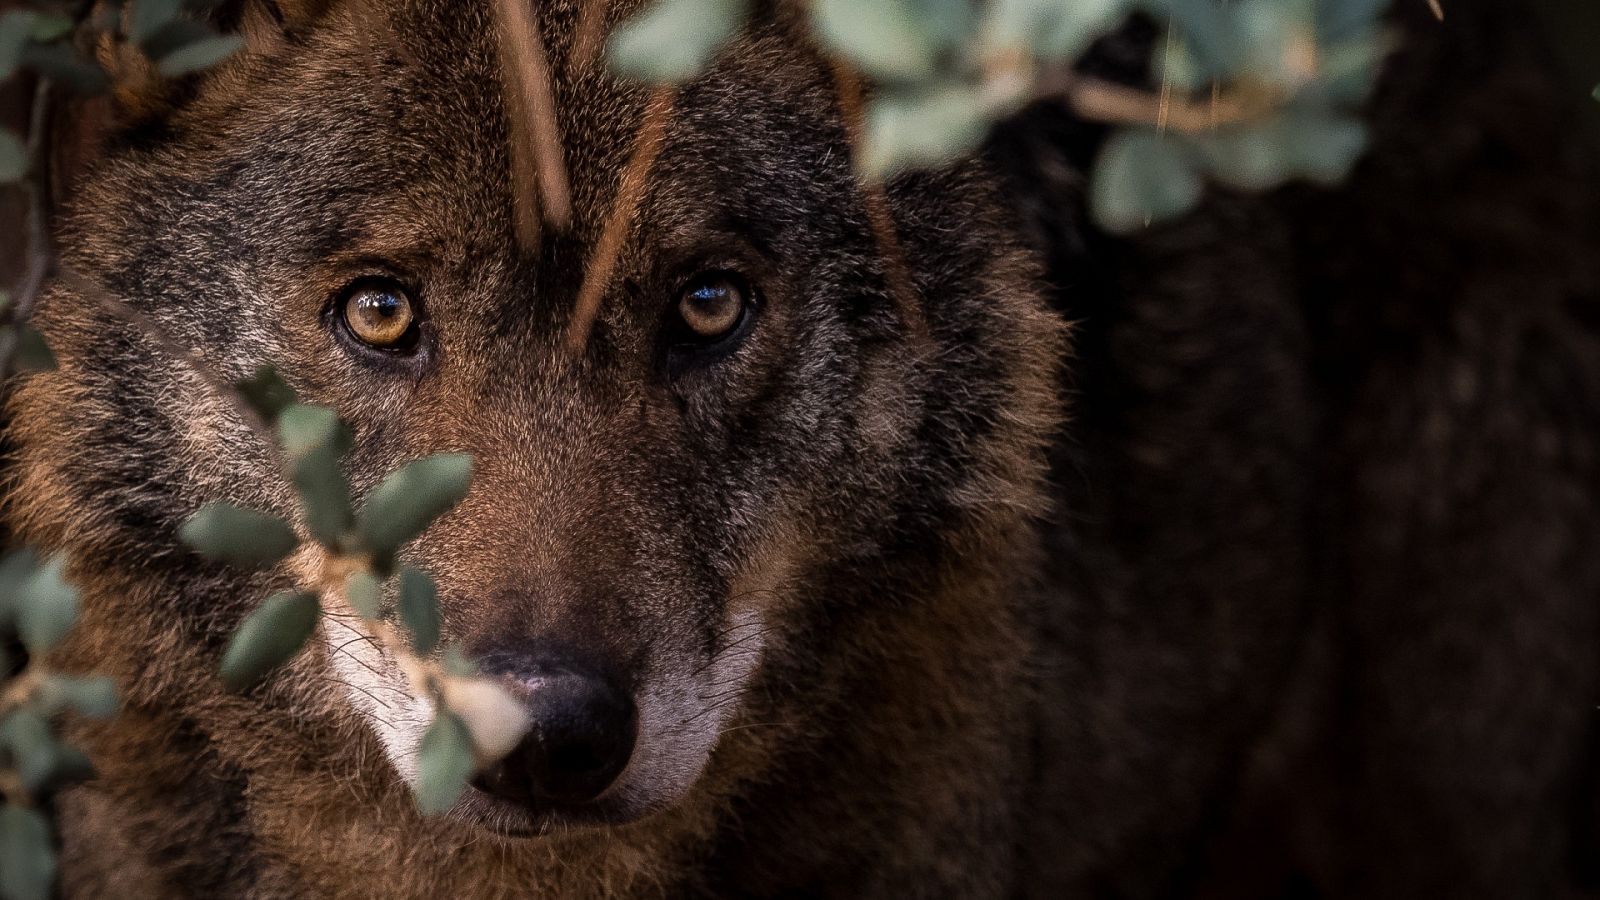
{"x": 884, "y": 38}
{"x": 324, "y": 495}
{"x": 365, "y": 594}
{"x": 1050, "y": 29}
{"x": 1325, "y": 145}
{"x": 16, "y": 28}
{"x": 94, "y": 697}
{"x": 315, "y": 441}
{"x": 202, "y": 54}
{"x": 1142, "y": 176}
{"x": 47, "y": 28}
{"x": 419, "y": 609}
{"x": 445, "y": 760}
{"x": 13, "y": 157}
{"x": 27, "y": 855}
{"x": 304, "y": 428}
{"x": 146, "y": 17}
{"x": 243, "y": 537}
{"x": 47, "y": 605}
{"x": 31, "y": 354}
{"x": 16, "y": 567}
{"x": 672, "y": 40}
{"x": 269, "y": 637}
{"x": 266, "y": 393}
{"x": 1251, "y": 157}
{"x": 410, "y": 499}
{"x": 457, "y": 663}
{"x": 1341, "y": 20}
{"x": 62, "y": 63}
{"x": 948, "y": 23}
{"x": 25, "y": 733}
{"x": 913, "y": 131}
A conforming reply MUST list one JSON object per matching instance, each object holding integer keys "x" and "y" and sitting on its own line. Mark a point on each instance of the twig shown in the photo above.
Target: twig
{"x": 630, "y": 190}
{"x": 537, "y": 166}
{"x": 589, "y": 35}
{"x": 853, "y": 107}
{"x": 1103, "y": 101}
{"x": 41, "y": 250}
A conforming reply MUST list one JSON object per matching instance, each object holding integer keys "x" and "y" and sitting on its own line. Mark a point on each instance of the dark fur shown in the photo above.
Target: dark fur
{"x": 1309, "y": 607}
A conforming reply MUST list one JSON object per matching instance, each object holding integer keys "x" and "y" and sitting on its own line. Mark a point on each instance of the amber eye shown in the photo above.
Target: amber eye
{"x": 381, "y": 315}
{"x": 712, "y": 306}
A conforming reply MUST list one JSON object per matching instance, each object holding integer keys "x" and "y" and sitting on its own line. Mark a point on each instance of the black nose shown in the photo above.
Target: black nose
{"x": 582, "y": 734}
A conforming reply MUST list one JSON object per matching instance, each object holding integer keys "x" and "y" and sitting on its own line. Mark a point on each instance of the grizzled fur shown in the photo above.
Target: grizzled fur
{"x": 1303, "y": 601}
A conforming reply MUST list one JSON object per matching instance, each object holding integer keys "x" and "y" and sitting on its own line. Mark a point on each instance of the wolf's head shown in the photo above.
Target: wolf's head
{"x": 755, "y": 455}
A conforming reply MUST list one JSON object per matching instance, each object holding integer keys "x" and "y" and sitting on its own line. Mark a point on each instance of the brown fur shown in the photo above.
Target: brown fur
{"x": 893, "y": 634}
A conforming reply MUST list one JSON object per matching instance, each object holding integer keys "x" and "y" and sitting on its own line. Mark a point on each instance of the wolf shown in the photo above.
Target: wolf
{"x": 1249, "y": 556}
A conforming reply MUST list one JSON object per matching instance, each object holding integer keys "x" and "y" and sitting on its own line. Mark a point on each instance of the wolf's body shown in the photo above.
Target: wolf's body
{"x": 1304, "y": 600}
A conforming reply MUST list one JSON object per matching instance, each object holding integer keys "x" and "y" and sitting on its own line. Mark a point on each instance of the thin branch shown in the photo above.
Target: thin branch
{"x": 41, "y": 250}
{"x": 1103, "y": 101}
{"x": 589, "y": 37}
{"x": 630, "y": 191}
{"x": 852, "y": 106}
{"x": 538, "y": 169}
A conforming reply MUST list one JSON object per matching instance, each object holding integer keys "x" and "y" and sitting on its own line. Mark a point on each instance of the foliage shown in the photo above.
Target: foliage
{"x": 1254, "y": 93}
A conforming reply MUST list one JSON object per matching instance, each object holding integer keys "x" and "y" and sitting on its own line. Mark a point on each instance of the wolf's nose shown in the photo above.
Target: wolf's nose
{"x": 582, "y": 734}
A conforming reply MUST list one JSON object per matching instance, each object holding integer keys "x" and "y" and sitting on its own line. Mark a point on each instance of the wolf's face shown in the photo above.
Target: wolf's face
{"x": 754, "y": 437}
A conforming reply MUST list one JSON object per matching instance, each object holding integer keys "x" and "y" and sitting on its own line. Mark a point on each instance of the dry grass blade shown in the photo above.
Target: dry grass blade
{"x": 852, "y": 106}
{"x": 590, "y": 34}
{"x": 630, "y": 191}
{"x": 538, "y": 170}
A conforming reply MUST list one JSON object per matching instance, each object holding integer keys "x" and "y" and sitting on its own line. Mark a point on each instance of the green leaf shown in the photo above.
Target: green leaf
{"x": 47, "y": 28}
{"x": 457, "y": 663}
{"x": 243, "y": 537}
{"x": 94, "y": 697}
{"x": 16, "y": 28}
{"x": 419, "y": 609}
{"x": 25, "y": 733}
{"x": 47, "y": 605}
{"x": 62, "y": 63}
{"x": 445, "y": 760}
{"x": 15, "y": 570}
{"x": 269, "y": 637}
{"x": 884, "y": 38}
{"x": 315, "y": 441}
{"x": 304, "y": 428}
{"x": 365, "y": 594}
{"x": 31, "y": 353}
{"x": 673, "y": 40}
{"x": 1142, "y": 176}
{"x": 1050, "y": 29}
{"x": 1340, "y": 20}
{"x": 922, "y": 130}
{"x": 410, "y": 499}
{"x": 202, "y": 54}
{"x": 27, "y": 855}
{"x": 146, "y": 17}
{"x": 266, "y": 393}
{"x": 13, "y": 157}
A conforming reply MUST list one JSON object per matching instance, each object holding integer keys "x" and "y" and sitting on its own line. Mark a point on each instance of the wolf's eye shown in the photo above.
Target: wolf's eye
{"x": 713, "y": 305}
{"x": 380, "y": 315}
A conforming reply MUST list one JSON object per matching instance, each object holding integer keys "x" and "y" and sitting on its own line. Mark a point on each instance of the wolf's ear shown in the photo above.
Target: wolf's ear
{"x": 80, "y": 126}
